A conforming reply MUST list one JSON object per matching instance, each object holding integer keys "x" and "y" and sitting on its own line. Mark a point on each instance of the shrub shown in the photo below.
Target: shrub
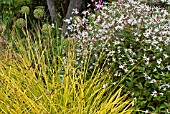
{"x": 128, "y": 34}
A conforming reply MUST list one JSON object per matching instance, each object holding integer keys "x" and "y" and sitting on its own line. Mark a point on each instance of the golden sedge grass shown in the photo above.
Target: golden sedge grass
{"x": 26, "y": 89}
{"x": 22, "y": 92}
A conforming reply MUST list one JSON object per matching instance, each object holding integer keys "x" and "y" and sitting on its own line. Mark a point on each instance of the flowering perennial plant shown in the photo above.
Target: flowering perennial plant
{"x": 122, "y": 35}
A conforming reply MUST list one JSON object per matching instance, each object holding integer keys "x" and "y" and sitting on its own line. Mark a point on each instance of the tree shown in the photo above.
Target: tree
{"x": 74, "y": 4}
{"x": 51, "y": 7}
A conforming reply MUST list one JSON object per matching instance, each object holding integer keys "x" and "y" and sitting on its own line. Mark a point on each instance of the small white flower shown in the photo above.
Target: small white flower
{"x": 161, "y": 94}
{"x": 167, "y": 111}
{"x": 105, "y": 85}
{"x": 164, "y": 89}
{"x": 75, "y": 11}
{"x": 146, "y": 58}
{"x": 154, "y": 94}
{"x": 137, "y": 39}
{"x": 117, "y": 74}
{"x": 147, "y": 111}
{"x": 146, "y": 76}
{"x": 168, "y": 67}
{"x": 159, "y": 61}
{"x": 134, "y": 100}
{"x": 88, "y": 5}
{"x": 163, "y": 0}
{"x": 122, "y": 66}
{"x": 116, "y": 42}
{"x": 67, "y": 21}
{"x": 156, "y": 30}
{"x": 155, "y": 69}
{"x": 153, "y": 81}
{"x": 114, "y": 83}
{"x": 166, "y": 56}
{"x": 53, "y": 26}
{"x": 119, "y": 27}
{"x": 126, "y": 70}
{"x": 162, "y": 74}
{"x": 130, "y": 21}
{"x": 147, "y": 35}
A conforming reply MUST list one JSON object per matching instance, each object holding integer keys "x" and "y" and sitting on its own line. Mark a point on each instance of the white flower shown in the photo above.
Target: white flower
{"x": 161, "y": 94}
{"x": 147, "y": 111}
{"x": 105, "y": 85}
{"x": 164, "y": 89}
{"x": 162, "y": 74}
{"x": 53, "y": 26}
{"x": 167, "y": 111}
{"x": 146, "y": 76}
{"x": 122, "y": 66}
{"x": 154, "y": 93}
{"x": 137, "y": 39}
{"x": 163, "y": 0}
{"x": 153, "y": 81}
{"x": 75, "y": 11}
{"x": 159, "y": 61}
{"x": 67, "y": 21}
{"x": 146, "y": 35}
{"x": 130, "y": 21}
{"x": 146, "y": 59}
{"x": 155, "y": 69}
{"x": 119, "y": 27}
{"x": 117, "y": 74}
{"x": 168, "y": 67}
{"x": 166, "y": 56}
{"x": 156, "y": 30}
{"x": 126, "y": 70}
{"x": 116, "y": 42}
{"x": 134, "y": 100}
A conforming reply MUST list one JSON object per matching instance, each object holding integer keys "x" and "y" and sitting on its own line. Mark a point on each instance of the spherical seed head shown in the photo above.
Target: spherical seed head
{"x": 46, "y": 28}
{"x": 25, "y": 9}
{"x": 20, "y": 22}
{"x": 38, "y": 13}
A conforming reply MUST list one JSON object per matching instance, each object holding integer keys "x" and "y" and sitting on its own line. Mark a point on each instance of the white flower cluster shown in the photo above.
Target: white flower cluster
{"x": 153, "y": 1}
{"x": 165, "y": 1}
{"x": 123, "y": 34}
{"x": 148, "y": 25}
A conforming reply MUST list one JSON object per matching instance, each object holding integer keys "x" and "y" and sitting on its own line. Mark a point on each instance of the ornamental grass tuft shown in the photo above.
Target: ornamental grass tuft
{"x": 35, "y": 79}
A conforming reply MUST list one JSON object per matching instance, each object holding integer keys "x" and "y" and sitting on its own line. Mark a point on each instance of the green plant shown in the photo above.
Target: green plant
{"x": 134, "y": 32}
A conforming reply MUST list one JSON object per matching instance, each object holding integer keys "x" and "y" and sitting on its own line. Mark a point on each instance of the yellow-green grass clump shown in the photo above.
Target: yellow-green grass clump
{"x": 30, "y": 81}
{"x": 25, "y": 89}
